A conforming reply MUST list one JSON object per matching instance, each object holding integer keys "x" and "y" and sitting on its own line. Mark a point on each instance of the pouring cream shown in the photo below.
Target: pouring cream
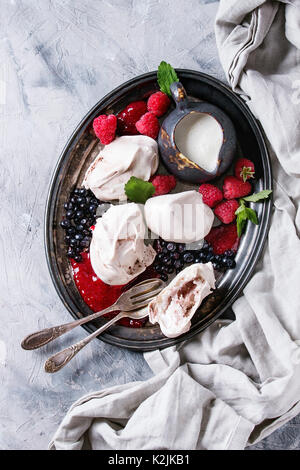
{"x": 199, "y": 137}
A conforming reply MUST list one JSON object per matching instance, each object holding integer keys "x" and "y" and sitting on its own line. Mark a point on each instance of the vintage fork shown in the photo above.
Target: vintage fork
{"x": 134, "y": 298}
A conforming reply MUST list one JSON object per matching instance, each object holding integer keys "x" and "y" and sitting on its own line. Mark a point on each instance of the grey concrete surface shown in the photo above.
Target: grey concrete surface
{"x": 58, "y": 57}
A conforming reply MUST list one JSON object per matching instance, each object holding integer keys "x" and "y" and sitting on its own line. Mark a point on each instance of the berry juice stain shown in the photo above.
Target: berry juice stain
{"x": 98, "y": 295}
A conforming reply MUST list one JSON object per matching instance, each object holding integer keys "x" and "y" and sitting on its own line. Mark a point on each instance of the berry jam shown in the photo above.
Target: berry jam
{"x": 96, "y": 294}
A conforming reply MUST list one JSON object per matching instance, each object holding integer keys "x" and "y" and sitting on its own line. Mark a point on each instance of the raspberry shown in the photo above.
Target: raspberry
{"x": 244, "y": 169}
{"x": 105, "y": 128}
{"x": 225, "y": 211}
{"x": 211, "y": 194}
{"x": 148, "y": 125}
{"x": 128, "y": 117}
{"x": 163, "y": 184}
{"x": 234, "y": 188}
{"x": 158, "y": 103}
{"x": 223, "y": 238}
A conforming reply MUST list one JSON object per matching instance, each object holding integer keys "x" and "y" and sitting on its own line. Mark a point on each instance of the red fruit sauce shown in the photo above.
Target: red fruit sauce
{"x": 98, "y": 295}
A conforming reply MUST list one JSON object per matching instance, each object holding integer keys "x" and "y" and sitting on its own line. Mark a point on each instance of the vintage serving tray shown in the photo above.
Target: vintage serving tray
{"x": 75, "y": 159}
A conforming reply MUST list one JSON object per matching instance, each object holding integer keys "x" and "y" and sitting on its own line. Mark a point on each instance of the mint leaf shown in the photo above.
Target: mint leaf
{"x": 138, "y": 190}
{"x": 166, "y": 75}
{"x": 258, "y": 196}
{"x": 243, "y": 214}
{"x": 241, "y": 222}
{"x": 251, "y": 215}
{"x": 241, "y": 208}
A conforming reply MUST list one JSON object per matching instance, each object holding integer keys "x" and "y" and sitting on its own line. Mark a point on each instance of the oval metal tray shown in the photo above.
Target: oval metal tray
{"x": 76, "y": 157}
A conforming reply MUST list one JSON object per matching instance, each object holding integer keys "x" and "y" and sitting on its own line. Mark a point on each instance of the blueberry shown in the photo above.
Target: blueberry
{"x": 70, "y": 252}
{"x": 85, "y": 242}
{"x": 229, "y": 254}
{"x": 80, "y": 200}
{"x": 197, "y": 260}
{"x": 82, "y": 191}
{"x": 71, "y": 231}
{"x": 201, "y": 256}
{"x": 78, "y": 258}
{"x": 65, "y": 224}
{"x": 167, "y": 261}
{"x": 67, "y": 238}
{"x": 92, "y": 208}
{"x": 231, "y": 264}
{"x": 171, "y": 246}
{"x": 158, "y": 268}
{"x": 165, "y": 251}
{"x": 70, "y": 206}
{"x": 170, "y": 270}
{"x": 164, "y": 277}
{"x": 79, "y": 228}
{"x": 162, "y": 243}
{"x": 181, "y": 247}
{"x": 209, "y": 257}
{"x": 79, "y": 236}
{"x": 87, "y": 233}
{"x": 160, "y": 256}
{"x": 79, "y": 214}
{"x": 188, "y": 257}
{"x": 69, "y": 214}
{"x": 175, "y": 255}
{"x": 157, "y": 246}
{"x": 66, "y": 205}
{"x": 73, "y": 200}
{"x": 178, "y": 264}
{"x": 73, "y": 242}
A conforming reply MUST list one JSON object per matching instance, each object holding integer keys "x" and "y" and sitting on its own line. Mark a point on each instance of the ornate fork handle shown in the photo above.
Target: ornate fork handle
{"x": 40, "y": 338}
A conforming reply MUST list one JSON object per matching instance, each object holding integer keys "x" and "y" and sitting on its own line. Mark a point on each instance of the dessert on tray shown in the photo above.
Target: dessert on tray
{"x": 180, "y": 217}
{"x": 133, "y": 218}
{"x": 126, "y": 156}
{"x": 118, "y": 252}
{"x": 175, "y": 305}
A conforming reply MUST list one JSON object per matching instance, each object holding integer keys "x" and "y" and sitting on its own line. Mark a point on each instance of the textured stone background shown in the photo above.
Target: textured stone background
{"x": 58, "y": 57}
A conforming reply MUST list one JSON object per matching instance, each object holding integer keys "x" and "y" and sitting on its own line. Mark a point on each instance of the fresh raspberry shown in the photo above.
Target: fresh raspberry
{"x": 211, "y": 194}
{"x": 234, "y": 188}
{"x": 128, "y": 117}
{"x": 148, "y": 125}
{"x": 163, "y": 184}
{"x": 225, "y": 211}
{"x": 105, "y": 128}
{"x": 158, "y": 103}
{"x": 223, "y": 238}
{"x": 244, "y": 169}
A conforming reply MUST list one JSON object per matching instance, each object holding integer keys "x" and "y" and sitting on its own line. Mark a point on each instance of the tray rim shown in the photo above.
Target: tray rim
{"x": 259, "y": 242}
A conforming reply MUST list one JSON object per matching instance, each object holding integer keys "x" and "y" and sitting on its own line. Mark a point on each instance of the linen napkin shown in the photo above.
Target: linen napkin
{"x": 236, "y": 382}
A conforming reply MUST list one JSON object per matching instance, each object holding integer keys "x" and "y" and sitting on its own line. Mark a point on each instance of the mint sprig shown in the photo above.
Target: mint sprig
{"x": 166, "y": 75}
{"x": 258, "y": 196}
{"x": 138, "y": 190}
{"x": 244, "y": 213}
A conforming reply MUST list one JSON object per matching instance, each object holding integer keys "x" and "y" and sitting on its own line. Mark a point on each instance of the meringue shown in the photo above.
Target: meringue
{"x": 117, "y": 251}
{"x": 126, "y": 156}
{"x": 181, "y": 217}
{"x": 174, "y": 307}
